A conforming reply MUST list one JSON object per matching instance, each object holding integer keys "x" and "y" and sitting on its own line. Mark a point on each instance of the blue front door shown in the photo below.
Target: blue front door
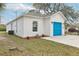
{"x": 57, "y": 29}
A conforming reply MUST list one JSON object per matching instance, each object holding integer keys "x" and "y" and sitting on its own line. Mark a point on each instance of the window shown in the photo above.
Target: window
{"x": 35, "y": 25}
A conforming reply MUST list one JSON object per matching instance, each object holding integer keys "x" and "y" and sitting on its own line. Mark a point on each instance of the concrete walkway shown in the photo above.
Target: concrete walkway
{"x": 72, "y": 40}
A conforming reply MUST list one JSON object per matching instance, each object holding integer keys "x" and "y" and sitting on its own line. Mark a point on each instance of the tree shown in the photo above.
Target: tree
{"x": 2, "y": 6}
{"x": 1, "y": 9}
{"x": 49, "y": 8}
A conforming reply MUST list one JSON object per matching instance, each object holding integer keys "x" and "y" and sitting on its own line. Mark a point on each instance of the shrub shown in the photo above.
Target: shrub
{"x": 43, "y": 35}
{"x": 27, "y": 37}
{"x": 2, "y": 29}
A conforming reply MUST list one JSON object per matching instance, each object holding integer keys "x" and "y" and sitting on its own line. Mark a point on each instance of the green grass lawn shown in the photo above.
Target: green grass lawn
{"x": 34, "y": 46}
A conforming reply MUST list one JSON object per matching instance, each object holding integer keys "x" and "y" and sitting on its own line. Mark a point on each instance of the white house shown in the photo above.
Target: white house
{"x": 32, "y": 24}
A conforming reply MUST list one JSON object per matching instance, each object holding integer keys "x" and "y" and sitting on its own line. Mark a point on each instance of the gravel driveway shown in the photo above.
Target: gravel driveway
{"x": 72, "y": 40}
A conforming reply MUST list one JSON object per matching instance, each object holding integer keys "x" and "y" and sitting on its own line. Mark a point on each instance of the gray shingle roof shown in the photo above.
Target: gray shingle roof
{"x": 36, "y": 13}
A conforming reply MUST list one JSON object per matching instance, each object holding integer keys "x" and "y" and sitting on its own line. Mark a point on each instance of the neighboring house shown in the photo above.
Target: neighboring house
{"x": 34, "y": 23}
{"x": 71, "y": 29}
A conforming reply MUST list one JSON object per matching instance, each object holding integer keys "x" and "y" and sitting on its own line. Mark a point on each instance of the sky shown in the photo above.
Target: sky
{"x": 16, "y": 9}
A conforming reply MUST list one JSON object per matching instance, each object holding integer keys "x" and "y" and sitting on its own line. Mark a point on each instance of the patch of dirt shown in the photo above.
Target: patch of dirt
{"x": 2, "y": 38}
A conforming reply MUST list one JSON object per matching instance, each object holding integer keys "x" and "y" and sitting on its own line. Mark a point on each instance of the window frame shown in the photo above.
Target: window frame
{"x": 35, "y": 26}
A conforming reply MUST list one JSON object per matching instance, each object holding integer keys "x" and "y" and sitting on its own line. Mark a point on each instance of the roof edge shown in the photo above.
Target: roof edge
{"x": 59, "y": 12}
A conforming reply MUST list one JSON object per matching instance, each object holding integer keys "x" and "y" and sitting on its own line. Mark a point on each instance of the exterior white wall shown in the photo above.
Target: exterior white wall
{"x": 63, "y": 29}
{"x": 8, "y": 27}
{"x": 57, "y": 18}
{"x": 28, "y": 26}
{"x": 47, "y": 26}
{"x": 14, "y": 27}
{"x": 17, "y": 27}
